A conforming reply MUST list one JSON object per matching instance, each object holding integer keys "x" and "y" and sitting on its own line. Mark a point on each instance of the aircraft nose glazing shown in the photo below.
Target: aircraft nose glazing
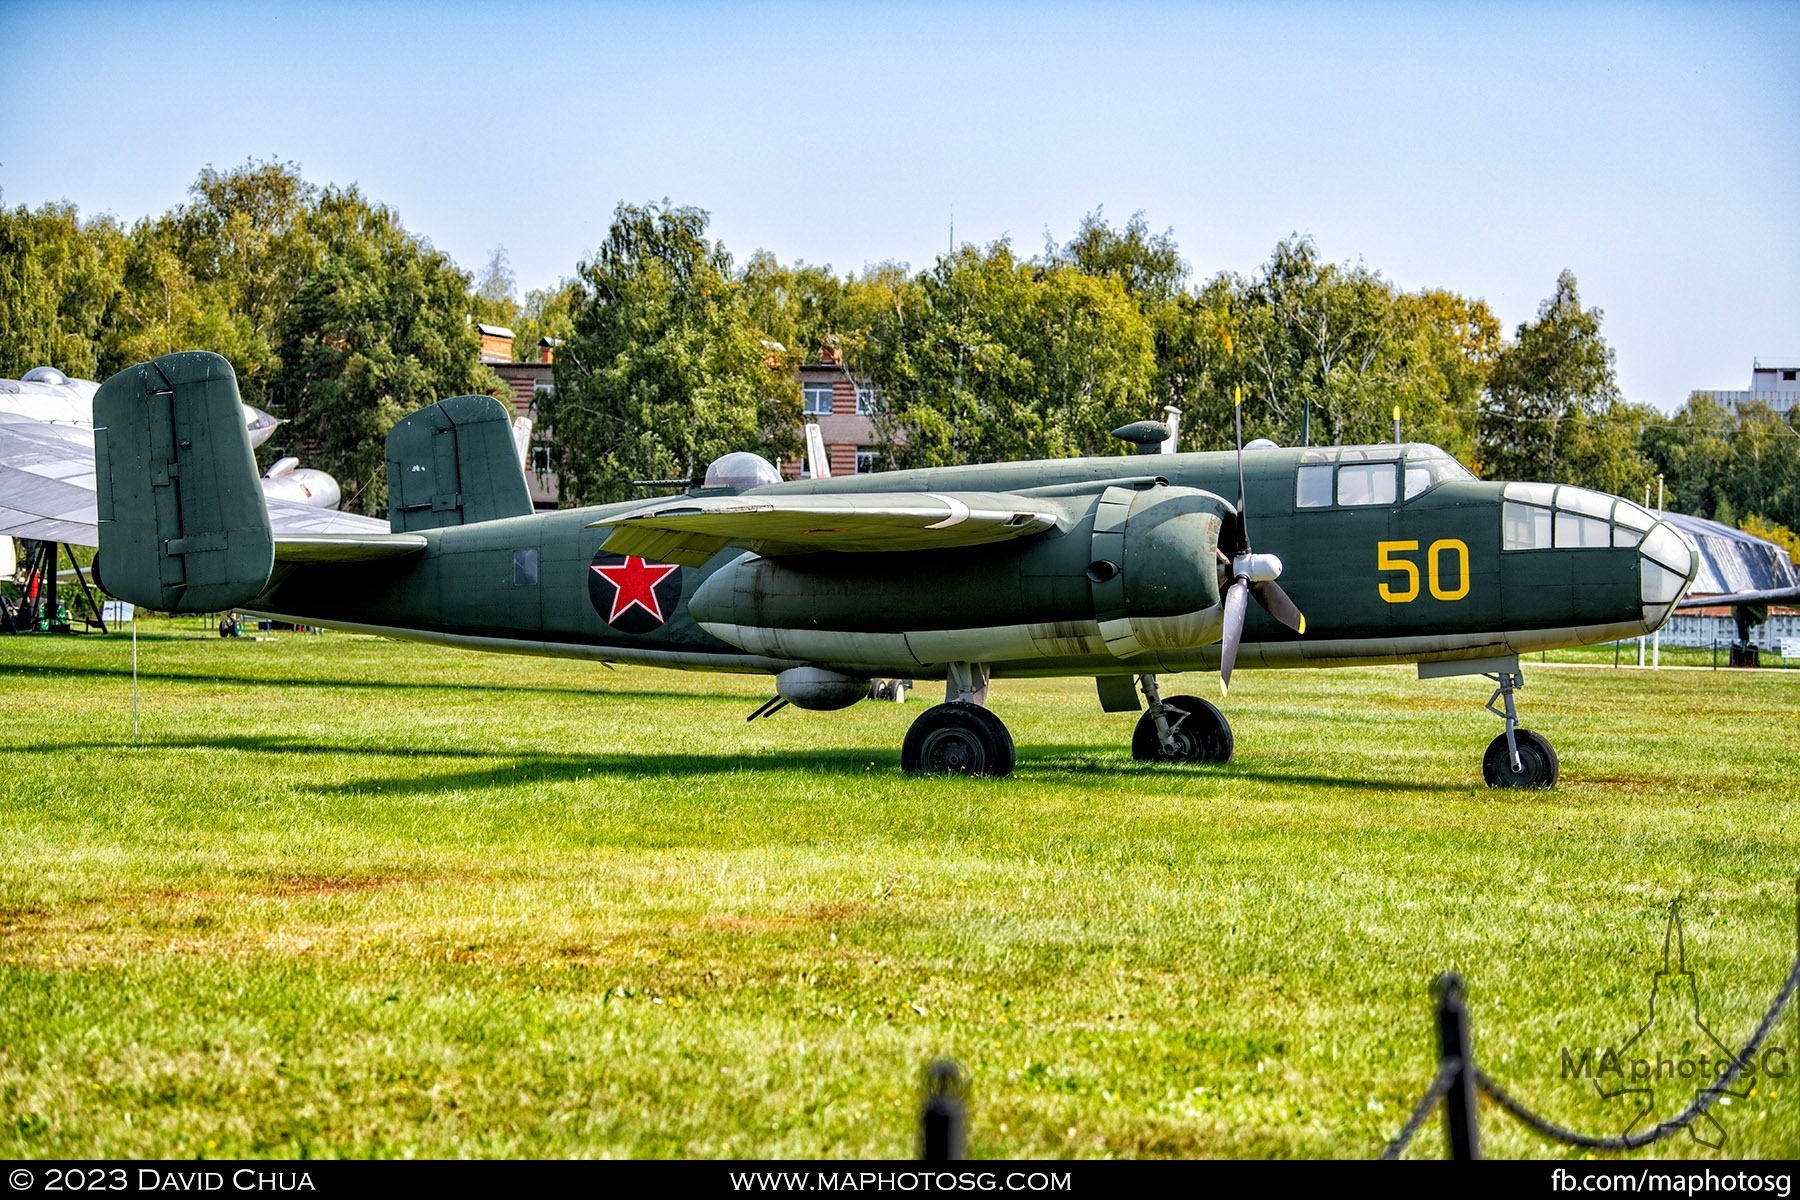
{"x": 1667, "y": 564}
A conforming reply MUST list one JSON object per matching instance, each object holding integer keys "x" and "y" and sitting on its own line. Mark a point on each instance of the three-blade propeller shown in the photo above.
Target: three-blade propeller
{"x": 1252, "y": 574}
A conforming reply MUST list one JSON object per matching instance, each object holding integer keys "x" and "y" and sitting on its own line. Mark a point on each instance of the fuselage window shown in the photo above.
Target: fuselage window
{"x": 1525, "y": 526}
{"x": 1314, "y": 487}
{"x": 1576, "y": 532}
{"x": 1371, "y": 483}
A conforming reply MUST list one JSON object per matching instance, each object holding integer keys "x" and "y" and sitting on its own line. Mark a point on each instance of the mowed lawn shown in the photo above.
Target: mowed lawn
{"x": 352, "y": 897}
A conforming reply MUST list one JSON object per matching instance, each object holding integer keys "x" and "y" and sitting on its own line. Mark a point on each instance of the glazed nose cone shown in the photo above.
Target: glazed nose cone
{"x": 1667, "y": 564}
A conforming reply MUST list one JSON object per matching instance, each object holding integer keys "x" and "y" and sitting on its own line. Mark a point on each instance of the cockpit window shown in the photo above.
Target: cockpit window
{"x": 1366, "y": 474}
{"x": 1427, "y": 466}
{"x": 1366, "y": 483}
{"x": 1312, "y": 488}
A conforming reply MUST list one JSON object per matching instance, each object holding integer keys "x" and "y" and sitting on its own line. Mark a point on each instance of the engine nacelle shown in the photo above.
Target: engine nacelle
{"x": 1125, "y": 572}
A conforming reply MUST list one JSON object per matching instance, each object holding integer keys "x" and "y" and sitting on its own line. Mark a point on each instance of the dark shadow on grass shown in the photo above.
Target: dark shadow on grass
{"x": 277, "y": 681}
{"x": 538, "y": 769}
{"x": 509, "y": 768}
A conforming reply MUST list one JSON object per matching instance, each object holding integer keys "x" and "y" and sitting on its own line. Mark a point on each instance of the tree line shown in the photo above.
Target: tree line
{"x": 669, "y": 353}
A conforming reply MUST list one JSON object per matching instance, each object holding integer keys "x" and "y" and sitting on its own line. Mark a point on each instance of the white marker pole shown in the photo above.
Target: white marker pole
{"x": 134, "y": 719}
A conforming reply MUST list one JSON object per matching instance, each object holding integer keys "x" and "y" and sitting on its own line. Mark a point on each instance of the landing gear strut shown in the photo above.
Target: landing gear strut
{"x": 1179, "y": 728}
{"x": 1518, "y": 757}
{"x": 959, "y": 736}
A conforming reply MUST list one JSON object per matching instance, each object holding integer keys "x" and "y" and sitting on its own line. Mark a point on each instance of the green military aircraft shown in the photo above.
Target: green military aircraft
{"x": 1123, "y": 568}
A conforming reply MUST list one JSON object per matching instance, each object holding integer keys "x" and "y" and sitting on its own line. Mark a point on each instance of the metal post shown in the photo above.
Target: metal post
{"x": 1453, "y": 1043}
{"x": 943, "y": 1119}
{"x": 134, "y": 721}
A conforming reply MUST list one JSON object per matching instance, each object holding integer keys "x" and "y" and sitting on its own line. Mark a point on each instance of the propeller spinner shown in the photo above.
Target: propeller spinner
{"x": 1252, "y": 574}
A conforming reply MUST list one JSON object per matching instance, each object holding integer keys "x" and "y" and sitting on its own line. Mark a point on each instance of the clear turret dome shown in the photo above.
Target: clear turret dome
{"x": 741, "y": 469}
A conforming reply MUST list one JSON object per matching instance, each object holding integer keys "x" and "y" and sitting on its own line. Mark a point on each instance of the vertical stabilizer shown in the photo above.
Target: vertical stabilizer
{"x": 183, "y": 527}
{"x": 454, "y": 463}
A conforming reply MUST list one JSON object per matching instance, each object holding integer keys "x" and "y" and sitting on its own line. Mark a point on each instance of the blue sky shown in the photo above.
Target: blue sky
{"x": 1652, "y": 149}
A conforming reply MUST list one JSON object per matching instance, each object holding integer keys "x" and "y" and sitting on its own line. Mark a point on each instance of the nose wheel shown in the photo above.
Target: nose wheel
{"x": 1518, "y": 758}
{"x": 958, "y": 738}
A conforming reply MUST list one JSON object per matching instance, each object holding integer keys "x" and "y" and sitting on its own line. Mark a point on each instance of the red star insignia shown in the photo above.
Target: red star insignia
{"x": 634, "y": 583}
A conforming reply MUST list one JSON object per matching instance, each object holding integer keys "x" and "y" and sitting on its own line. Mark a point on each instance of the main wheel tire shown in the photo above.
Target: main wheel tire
{"x": 958, "y": 739}
{"x": 1200, "y": 732}
{"x": 1536, "y": 756}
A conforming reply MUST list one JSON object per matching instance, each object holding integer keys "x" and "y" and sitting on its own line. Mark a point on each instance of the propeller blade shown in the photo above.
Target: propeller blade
{"x": 1276, "y": 603}
{"x": 1237, "y": 418}
{"x": 1237, "y": 599}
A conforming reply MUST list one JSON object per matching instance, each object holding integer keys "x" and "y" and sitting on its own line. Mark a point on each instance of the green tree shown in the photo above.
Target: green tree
{"x": 378, "y": 329}
{"x": 60, "y": 280}
{"x": 1149, "y": 265}
{"x": 1553, "y": 410}
{"x": 663, "y": 369}
{"x": 986, "y": 358}
{"x": 220, "y": 271}
{"x": 1311, "y": 342}
{"x": 547, "y": 313}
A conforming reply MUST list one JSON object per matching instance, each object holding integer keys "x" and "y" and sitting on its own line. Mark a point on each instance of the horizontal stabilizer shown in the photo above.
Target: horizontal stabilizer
{"x": 345, "y": 547}
{"x": 690, "y": 531}
{"x": 1766, "y": 596}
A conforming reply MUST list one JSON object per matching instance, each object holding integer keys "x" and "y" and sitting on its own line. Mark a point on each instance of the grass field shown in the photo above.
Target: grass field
{"x": 350, "y": 897}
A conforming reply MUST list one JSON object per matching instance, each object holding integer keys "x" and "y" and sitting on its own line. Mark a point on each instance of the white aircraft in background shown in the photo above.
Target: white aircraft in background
{"x": 46, "y": 394}
{"x": 47, "y": 469}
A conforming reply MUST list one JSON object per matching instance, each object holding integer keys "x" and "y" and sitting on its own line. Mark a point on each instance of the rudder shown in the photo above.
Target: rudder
{"x": 183, "y": 527}
{"x": 454, "y": 463}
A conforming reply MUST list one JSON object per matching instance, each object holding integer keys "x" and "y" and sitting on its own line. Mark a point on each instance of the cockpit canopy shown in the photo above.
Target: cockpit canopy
{"x": 1352, "y": 475}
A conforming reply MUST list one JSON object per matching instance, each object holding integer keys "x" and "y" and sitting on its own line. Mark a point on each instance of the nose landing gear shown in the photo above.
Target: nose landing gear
{"x": 1518, "y": 757}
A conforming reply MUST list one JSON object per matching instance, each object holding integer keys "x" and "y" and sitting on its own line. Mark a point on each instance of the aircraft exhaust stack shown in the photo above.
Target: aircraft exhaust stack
{"x": 182, "y": 523}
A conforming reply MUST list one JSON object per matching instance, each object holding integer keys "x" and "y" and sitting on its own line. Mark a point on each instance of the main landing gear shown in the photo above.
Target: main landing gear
{"x": 1517, "y": 758}
{"x": 1179, "y": 728}
{"x": 959, "y": 736}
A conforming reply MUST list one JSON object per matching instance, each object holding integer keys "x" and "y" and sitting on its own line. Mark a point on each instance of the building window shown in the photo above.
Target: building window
{"x": 869, "y": 399}
{"x": 815, "y": 397}
{"x": 1788, "y": 376}
{"x": 540, "y": 460}
{"x": 865, "y": 460}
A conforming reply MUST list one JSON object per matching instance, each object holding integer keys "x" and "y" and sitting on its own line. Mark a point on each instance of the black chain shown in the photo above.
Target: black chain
{"x": 1440, "y": 1087}
{"x": 1633, "y": 1141}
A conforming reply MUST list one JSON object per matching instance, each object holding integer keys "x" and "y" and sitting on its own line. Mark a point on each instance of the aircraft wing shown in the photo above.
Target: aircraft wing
{"x": 47, "y": 490}
{"x": 690, "y": 530}
{"x": 1766, "y": 596}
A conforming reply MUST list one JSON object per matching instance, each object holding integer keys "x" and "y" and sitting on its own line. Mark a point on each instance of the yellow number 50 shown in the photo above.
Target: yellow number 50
{"x": 1386, "y": 560}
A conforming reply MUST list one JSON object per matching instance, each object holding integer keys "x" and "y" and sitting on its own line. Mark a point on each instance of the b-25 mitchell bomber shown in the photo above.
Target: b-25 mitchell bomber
{"x": 1122, "y": 568}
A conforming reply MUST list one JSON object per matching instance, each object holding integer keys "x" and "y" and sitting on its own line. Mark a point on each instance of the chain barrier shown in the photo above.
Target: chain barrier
{"x": 1440, "y": 1087}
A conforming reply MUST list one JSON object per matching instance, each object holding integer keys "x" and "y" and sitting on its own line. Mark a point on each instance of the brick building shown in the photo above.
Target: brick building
{"x": 841, "y": 405}
{"x": 528, "y": 381}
